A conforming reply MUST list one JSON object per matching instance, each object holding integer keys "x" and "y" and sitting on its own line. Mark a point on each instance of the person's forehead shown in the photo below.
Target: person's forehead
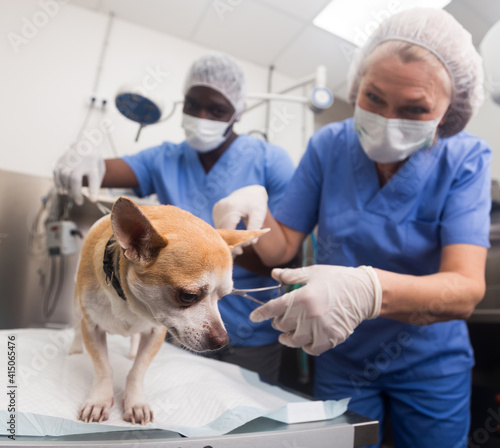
{"x": 205, "y": 94}
{"x": 391, "y": 70}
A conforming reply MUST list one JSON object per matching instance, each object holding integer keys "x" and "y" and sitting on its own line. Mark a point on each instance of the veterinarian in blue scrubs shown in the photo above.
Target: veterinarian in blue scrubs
{"x": 212, "y": 162}
{"x": 401, "y": 197}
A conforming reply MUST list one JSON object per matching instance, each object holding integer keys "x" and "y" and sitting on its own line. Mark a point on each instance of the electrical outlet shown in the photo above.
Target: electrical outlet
{"x": 97, "y": 101}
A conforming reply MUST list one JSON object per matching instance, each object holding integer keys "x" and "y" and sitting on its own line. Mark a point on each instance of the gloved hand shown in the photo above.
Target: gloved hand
{"x": 247, "y": 203}
{"x": 324, "y": 312}
{"x": 72, "y": 167}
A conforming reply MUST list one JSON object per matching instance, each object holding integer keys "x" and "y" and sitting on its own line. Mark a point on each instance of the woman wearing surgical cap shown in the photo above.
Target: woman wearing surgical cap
{"x": 212, "y": 162}
{"x": 400, "y": 195}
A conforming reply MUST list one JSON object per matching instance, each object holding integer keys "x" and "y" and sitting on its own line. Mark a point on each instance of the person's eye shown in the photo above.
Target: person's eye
{"x": 417, "y": 110}
{"x": 218, "y": 112}
{"x": 373, "y": 98}
{"x": 189, "y": 105}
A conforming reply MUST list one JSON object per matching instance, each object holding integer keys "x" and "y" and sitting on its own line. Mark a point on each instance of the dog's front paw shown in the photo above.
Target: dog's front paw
{"x": 75, "y": 350}
{"x": 76, "y": 346}
{"x": 137, "y": 412}
{"x": 95, "y": 410}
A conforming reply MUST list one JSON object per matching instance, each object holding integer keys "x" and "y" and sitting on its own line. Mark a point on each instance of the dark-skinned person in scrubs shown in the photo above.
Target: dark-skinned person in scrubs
{"x": 400, "y": 195}
{"x": 212, "y": 162}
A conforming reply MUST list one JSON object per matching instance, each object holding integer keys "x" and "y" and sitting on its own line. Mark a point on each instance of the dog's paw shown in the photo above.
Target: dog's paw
{"x": 137, "y": 413}
{"x": 76, "y": 347}
{"x": 95, "y": 410}
{"x": 75, "y": 350}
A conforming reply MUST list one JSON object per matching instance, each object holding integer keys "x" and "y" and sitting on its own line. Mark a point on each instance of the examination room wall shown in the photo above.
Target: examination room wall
{"x": 48, "y": 80}
{"x": 50, "y": 77}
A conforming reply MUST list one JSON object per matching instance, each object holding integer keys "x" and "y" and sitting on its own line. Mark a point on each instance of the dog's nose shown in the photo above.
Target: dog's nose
{"x": 217, "y": 339}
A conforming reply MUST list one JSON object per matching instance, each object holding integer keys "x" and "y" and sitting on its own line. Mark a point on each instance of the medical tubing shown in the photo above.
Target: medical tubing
{"x": 104, "y": 47}
{"x": 60, "y": 282}
{"x": 33, "y": 233}
{"x": 46, "y": 296}
{"x": 67, "y": 206}
{"x": 48, "y": 308}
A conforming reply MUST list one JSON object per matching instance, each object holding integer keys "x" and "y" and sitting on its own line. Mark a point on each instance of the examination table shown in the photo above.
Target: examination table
{"x": 50, "y": 386}
{"x": 348, "y": 430}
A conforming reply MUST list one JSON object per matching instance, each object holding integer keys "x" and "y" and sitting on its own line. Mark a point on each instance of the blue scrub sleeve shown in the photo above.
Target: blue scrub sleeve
{"x": 299, "y": 206}
{"x": 466, "y": 214}
{"x": 279, "y": 171}
{"x": 143, "y": 164}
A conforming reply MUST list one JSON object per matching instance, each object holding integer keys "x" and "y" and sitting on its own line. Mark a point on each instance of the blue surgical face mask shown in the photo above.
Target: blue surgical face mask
{"x": 387, "y": 140}
{"x": 205, "y": 135}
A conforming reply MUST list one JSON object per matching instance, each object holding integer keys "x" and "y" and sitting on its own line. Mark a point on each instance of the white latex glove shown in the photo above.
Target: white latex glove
{"x": 248, "y": 204}
{"x": 324, "y": 312}
{"x": 72, "y": 167}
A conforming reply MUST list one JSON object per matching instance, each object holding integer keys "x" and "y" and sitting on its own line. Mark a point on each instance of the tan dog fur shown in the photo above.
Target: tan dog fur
{"x": 173, "y": 268}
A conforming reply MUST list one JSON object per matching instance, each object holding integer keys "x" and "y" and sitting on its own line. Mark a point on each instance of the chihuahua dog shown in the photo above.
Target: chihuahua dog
{"x": 145, "y": 270}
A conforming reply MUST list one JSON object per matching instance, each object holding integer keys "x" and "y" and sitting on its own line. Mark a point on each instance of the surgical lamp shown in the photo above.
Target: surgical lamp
{"x": 145, "y": 108}
{"x": 142, "y": 107}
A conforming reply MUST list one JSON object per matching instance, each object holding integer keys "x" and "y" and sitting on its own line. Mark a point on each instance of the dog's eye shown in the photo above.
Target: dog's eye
{"x": 188, "y": 298}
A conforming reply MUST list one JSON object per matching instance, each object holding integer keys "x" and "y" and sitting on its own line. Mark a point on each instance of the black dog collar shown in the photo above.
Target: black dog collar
{"x": 111, "y": 271}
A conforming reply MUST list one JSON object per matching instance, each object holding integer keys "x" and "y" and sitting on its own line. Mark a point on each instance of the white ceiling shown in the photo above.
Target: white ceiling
{"x": 270, "y": 32}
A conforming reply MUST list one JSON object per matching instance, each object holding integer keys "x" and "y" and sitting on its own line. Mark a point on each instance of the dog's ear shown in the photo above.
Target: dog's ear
{"x": 135, "y": 234}
{"x": 235, "y": 238}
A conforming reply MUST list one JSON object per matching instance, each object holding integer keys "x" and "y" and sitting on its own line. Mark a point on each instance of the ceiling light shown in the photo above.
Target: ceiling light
{"x": 355, "y": 20}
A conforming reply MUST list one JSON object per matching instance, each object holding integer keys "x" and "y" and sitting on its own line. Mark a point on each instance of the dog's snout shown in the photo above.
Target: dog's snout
{"x": 218, "y": 338}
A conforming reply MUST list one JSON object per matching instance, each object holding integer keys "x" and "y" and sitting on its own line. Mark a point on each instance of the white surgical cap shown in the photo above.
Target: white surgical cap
{"x": 438, "y": 32}
{"x": 221, "y": 73}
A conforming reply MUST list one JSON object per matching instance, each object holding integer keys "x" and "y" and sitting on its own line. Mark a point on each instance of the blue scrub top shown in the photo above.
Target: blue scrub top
{"x": 174, "y": 172}
{"x": 440, "y": 196}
